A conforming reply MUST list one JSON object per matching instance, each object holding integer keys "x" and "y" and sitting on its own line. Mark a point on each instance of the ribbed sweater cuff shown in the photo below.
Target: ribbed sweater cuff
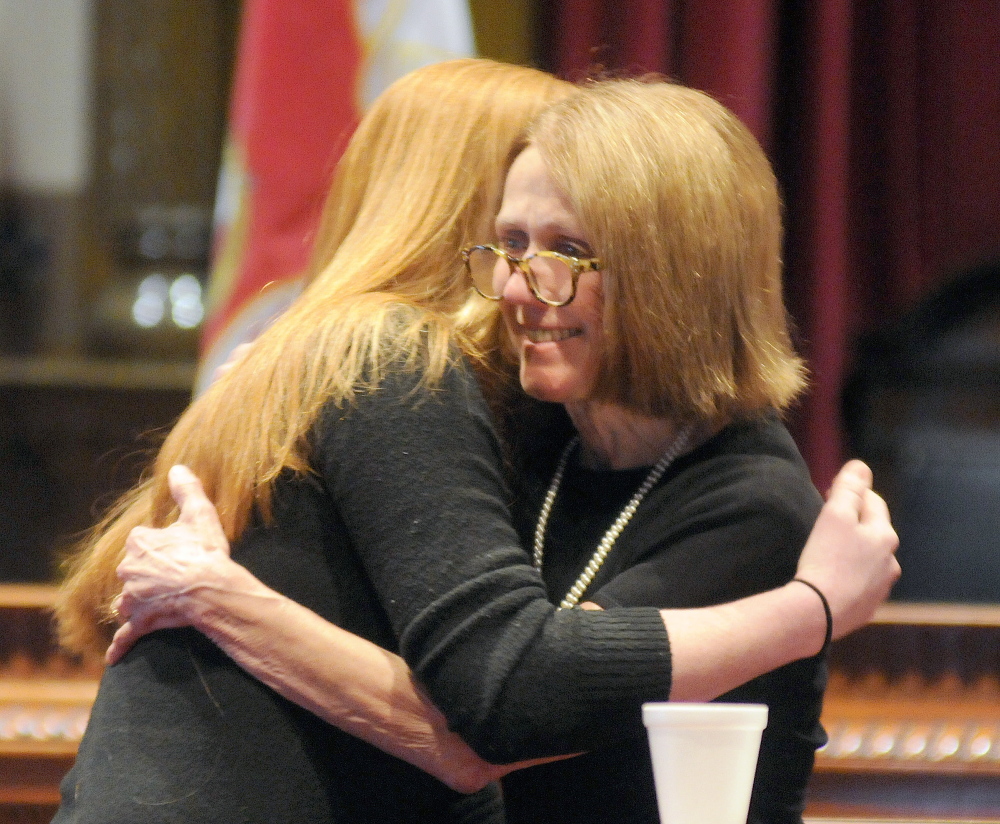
{"x": 641, "y": 664}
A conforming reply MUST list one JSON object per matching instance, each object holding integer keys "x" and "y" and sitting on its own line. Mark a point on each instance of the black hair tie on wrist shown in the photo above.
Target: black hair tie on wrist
{"x": 826, "y": 609}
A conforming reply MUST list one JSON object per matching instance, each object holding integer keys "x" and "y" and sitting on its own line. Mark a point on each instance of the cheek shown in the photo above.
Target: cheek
{"x": 501, "y": 274}
{"x": 594, "y": 318}
{"x": 507, "y": 312}
{"x": 595, "y": 359}
{"x": 590, "y": 301}
{"x": 597, "y": 343}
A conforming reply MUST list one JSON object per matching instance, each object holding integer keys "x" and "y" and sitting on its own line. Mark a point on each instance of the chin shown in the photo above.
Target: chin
{"x": 542, "y": 394}
{"x": 546, "y": 388}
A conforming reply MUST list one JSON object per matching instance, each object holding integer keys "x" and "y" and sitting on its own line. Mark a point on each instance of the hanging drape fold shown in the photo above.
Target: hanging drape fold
{"x": 881, "y": 120}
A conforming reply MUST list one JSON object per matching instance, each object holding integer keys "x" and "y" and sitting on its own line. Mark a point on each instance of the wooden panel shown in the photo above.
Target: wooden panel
{"x": 26, "y": 813}
{"x": 906, "y": 820}
{"x": 913, "y": 715}
{"x": 66, "y": 453}
{"x": 913, "y": 712}
{"x": 45, "y": 700}
{"x": 162, "y": 75}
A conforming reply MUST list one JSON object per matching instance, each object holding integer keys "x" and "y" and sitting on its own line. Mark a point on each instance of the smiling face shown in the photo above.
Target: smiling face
{"x": 560, "y": 348}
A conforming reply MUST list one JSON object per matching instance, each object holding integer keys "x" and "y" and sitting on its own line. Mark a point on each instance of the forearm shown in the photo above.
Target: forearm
{"x": 716, "y": 649}
{"x": 513, "y": 658}
{"x": 342, "y": 678}
{"x": 849, "y": 557}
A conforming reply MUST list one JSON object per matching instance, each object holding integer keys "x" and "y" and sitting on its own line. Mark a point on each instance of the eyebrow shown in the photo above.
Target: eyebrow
{"x": 506, "y": 225}
{"x": 557, "y": 229}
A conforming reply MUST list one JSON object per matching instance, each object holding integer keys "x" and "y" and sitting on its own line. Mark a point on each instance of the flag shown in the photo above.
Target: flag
{"x": 305, "y": 71}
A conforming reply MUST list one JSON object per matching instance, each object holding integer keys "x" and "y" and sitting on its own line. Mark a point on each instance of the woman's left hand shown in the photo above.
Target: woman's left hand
{"x": 163, "y": 566}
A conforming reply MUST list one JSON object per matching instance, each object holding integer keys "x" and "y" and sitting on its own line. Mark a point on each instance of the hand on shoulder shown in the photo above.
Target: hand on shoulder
{"x": 850, "y": 554}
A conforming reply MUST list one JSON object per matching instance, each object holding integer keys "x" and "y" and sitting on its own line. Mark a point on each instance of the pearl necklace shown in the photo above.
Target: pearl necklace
{"x": 608, "y": 541}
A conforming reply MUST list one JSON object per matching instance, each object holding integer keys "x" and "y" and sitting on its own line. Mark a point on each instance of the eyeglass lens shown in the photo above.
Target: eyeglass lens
{"x": 551, "y": 279}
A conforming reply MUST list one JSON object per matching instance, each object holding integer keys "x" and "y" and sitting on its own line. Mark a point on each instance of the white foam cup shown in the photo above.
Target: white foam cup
{"x": 704, "y": 759}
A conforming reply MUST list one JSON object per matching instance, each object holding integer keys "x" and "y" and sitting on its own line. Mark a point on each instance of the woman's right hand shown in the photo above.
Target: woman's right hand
{"x": 162, "y": 567}
{"x": 850, "y": 554}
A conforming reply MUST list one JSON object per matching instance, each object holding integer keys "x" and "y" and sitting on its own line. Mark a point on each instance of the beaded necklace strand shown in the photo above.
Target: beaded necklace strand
{"x": 608, "y": 541}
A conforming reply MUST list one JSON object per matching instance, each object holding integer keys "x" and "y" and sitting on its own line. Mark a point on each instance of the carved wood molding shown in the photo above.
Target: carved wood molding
{"x": 45, "y": 694}
{"x": 44, "y": 717}
{"x": 916, "y": 691}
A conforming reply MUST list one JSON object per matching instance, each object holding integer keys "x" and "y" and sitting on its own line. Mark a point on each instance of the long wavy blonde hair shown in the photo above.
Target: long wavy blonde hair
{"x": 420, "y": 178}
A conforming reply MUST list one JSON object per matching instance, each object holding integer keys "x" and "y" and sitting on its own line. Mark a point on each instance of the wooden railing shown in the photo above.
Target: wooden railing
{"x": 913, "y": 715}
{"x": 912, "y": 711}
{"x": 45, "y": 699}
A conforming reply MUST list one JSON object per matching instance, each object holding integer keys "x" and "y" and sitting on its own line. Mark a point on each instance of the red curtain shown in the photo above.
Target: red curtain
{"x": 882, "y": 118}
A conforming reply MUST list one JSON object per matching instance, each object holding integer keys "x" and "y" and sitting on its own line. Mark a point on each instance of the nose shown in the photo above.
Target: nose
{"x": 516, "y": 290}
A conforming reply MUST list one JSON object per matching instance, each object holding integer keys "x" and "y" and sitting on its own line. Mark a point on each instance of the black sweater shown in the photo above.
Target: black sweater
{"x": 726, "y": 521}
{"x": 402, "y": 536}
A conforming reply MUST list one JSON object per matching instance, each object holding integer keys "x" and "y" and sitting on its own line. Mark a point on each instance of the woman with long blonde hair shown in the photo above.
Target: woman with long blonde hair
{"x": 373, "y": 496}
{"x": 386, "y": 324}
{"x": 422, "y": 173}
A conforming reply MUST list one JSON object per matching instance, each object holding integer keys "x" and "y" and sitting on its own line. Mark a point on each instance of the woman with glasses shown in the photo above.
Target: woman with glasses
{"x": 383, "y": 510}
{"x": 637, "y": 266}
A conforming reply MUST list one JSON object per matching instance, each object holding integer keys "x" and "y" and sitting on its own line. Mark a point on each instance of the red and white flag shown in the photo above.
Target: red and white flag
{"x": 305, "y": 71}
